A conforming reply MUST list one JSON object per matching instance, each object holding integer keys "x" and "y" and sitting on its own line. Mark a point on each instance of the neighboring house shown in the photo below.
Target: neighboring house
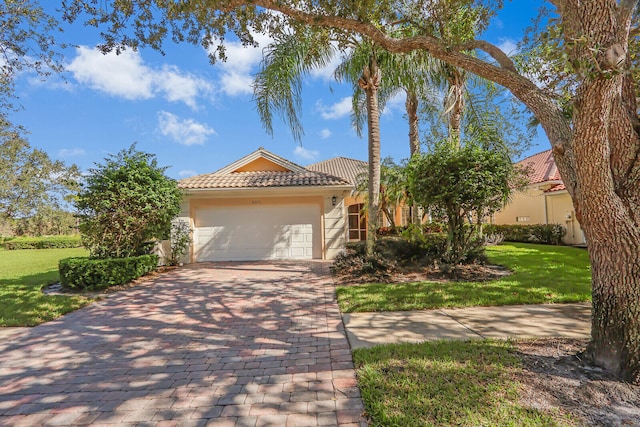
{"x": 544, "y": 201}
{"x": 264, "y": 207}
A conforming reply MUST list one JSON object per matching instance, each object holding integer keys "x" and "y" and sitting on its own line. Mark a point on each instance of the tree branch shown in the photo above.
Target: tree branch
{"x": 542, "y": 104}
{"x": 493, "y": 51}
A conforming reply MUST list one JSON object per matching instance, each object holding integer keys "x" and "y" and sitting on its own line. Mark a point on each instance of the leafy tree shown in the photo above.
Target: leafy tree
{"x": 47, "y": 221}
{"x": 594, "y": 128}
{"x": 30, "y": 182}
{"x": 460, "y": 182}
{"x": 126, "y": 202}
{"x": 26, "y": 43}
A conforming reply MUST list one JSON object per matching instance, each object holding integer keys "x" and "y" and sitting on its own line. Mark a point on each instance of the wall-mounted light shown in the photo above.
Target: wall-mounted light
{"x": 334, "y": 200}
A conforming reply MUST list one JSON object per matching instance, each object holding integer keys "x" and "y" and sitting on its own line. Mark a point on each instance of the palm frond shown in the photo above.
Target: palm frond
{"x": 277, "y": 87}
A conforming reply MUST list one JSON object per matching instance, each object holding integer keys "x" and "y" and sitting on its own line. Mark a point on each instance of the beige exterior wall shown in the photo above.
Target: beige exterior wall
{"x": 560, "y": 211}
{"x": 542, "y": 208}
{"x": 523, "y": 204}
{"x": 335, "y": 226}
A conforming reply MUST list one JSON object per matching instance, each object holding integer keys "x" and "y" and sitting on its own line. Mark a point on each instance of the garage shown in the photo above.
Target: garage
{"x": 257, "y": 232}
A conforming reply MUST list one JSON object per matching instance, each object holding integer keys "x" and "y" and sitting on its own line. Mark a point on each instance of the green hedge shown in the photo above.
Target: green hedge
{"x": 44, "y": 242}
{"x": 550, "y": 234}
{"x": 97, "y": 274}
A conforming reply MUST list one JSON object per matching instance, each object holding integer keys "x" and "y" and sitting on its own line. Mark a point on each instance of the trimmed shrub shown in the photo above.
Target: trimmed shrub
{"x": 97, "y": 274}
{"x": 550, "y": 234}
{"x": 44, "y": 242}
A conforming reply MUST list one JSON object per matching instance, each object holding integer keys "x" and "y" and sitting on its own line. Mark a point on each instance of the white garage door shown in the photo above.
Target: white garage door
{"x": 244, "y": 233}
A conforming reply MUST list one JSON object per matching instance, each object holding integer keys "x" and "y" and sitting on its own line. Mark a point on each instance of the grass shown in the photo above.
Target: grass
{"x": 445, "y": 383}
{"x": 541, "y": 274}
{"x": 23, "y": 274}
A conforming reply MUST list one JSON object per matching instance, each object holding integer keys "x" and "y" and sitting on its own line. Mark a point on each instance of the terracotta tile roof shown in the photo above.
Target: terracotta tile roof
{"x": 557, "y": 187}
{"x": 260, "y": 179}
{"x": 541, "y": 167}
{"x": 348, "y": 169}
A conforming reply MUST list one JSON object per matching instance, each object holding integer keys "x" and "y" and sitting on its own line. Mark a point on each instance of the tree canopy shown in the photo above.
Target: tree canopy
{"x": 29, "y": 180}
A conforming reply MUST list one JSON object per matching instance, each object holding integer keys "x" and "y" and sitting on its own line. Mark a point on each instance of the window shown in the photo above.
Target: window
{"x": 357, "y": 223}
{"x": 406, "y": 215}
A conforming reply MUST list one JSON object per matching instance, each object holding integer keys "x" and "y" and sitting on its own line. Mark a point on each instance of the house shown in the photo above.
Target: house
{"x": 545, "y": 200}
{"x": 264, "y": 207}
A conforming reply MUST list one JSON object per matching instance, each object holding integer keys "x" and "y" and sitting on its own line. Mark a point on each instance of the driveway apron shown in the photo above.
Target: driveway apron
{"x": 238, "y": 344}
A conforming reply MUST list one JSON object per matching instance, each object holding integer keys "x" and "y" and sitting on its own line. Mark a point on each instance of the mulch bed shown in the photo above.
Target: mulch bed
{"x": 555, "y": 378}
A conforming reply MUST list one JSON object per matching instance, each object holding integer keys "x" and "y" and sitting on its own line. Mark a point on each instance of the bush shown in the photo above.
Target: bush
{"x": 45, "y": 242}
{"x": 97, "y": 274}
{"x": 550, "y": 234}
{"x": 125, "y": 203}
{"x": 180, "y": 241}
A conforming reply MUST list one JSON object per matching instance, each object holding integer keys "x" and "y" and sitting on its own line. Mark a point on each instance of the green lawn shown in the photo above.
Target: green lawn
{"x": 445, "y": 383}
{"x": 541, "y": 274}
{"x": 23, "y": 273}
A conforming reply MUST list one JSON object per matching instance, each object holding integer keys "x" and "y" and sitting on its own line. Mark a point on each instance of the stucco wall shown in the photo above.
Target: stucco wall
{"x": 335, "y": 226}
{"x": 560, "y": 211}
{"x": 528, "y": 203}
{"x": 542, "y": 208}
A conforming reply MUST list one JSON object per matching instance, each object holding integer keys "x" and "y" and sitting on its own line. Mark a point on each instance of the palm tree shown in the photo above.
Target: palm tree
{"x": 278, "y": 88}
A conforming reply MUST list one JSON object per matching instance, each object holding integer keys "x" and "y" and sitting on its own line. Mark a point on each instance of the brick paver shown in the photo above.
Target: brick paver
{"x": 234, "y": 344}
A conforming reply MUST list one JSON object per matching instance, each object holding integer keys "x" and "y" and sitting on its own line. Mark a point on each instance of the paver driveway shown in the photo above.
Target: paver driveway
{"x": 211, "y": 344}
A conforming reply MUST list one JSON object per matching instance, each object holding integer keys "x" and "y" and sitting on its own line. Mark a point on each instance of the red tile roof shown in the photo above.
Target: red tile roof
{"x": 557, "y": 187}
{"x": 294, "y": 176}
{"x": 541, "y": 167}
{"x": 260, "y": 179}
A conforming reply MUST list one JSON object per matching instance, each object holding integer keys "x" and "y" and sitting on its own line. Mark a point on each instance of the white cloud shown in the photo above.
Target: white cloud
{"x": 304, "y": 154}
{"x": 183, "y": 131}
{"x": 126, "y": 76}
{"x": 508, "y": 46}
{"x": 237, "y": 70}
{"x": 186, "y": 173}
{"x": 71, "y": 152}
{"x": 177, "y": 86}
{"x": 325, "y": 133}
{"x": 338, "y": 110}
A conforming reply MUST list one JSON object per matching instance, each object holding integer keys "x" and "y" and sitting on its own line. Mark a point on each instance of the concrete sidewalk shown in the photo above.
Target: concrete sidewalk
{"x": 548, "y": 320}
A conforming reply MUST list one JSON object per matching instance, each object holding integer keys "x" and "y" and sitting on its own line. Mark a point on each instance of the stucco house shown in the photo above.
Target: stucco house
{"x": 265, "y": 207}
{"x": 545, "y": 200}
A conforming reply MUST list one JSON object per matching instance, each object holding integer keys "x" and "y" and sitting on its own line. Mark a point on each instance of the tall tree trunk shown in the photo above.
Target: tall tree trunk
{"x": 411, "y": 106}
{"x": 370, "y": 82}
{"x": 607, "y": 204}
{"x": 456, "y": 79}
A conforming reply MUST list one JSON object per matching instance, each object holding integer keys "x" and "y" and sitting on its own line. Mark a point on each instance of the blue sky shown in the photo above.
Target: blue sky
{"x": 197, "y": 117}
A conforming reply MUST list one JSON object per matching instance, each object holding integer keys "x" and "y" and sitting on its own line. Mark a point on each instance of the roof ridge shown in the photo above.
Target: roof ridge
{"x": 260, "y": 152}
{"x": 534, "y": 155}
{"x": 336, "y": 158}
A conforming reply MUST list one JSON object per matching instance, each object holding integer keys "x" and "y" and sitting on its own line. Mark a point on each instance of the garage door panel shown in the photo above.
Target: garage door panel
{"x": 256, "y": 233}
